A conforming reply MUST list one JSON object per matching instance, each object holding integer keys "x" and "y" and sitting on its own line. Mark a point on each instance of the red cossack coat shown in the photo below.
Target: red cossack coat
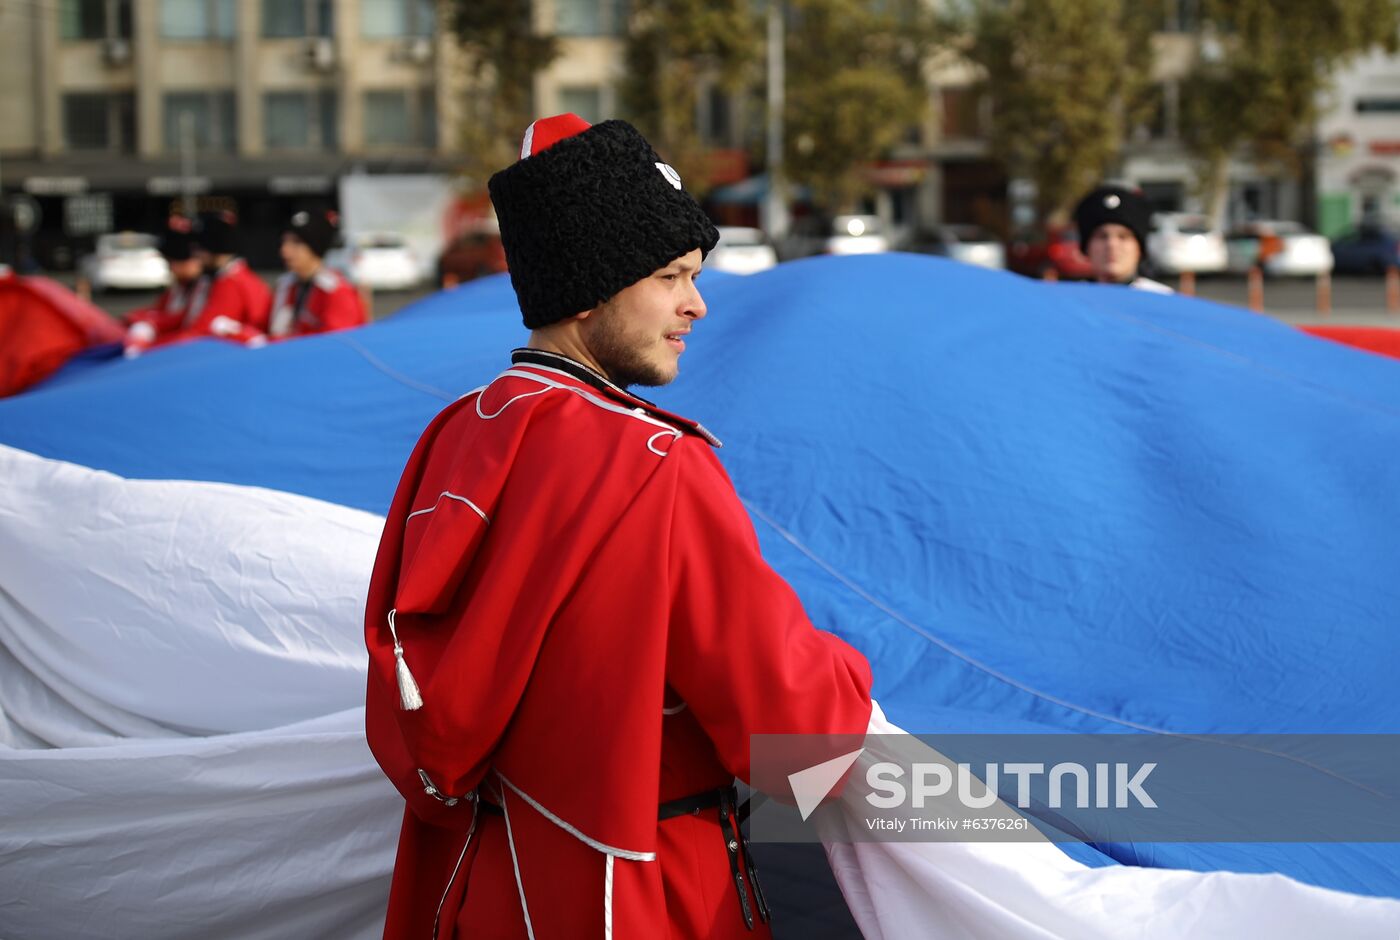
{"x": 240, "y": 295}
{"x": 579, "y": 596}
{"x": 177, "y": 307}
{"x": 333, "y": 304}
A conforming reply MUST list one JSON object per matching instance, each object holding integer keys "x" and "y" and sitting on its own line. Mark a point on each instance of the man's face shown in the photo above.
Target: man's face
{"x": 187, "y": 270}
{"x": 1114, "y": 252}
{"x": 637, "y": 336}
{"x": 298, "y": 258}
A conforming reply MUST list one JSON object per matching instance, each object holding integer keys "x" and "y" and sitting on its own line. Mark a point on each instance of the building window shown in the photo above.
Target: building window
{"x": 1183, "y": 16}
{"x": 94, "y": 19}
{"x": 300, "y": 120}
{"x": 590, "y": 17}
{"x": 206, "y": 120}
{"x": 295, "y": 19}
{"x": 198, "y": 19}
{"x": 395, "y": 19}
{"x": 1388, "y": 105}
{"x": 718, "y": 121}
{"x": 104, "y": 122}
{"x": 401, "y": 118}
{"x": 1159, "y": 117}
{"x": 584, "y": 100}
{"x": 962, "y": 113}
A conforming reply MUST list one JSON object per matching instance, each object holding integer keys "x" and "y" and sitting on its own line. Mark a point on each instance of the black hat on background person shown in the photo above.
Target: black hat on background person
{"x": 1113, "y": 222}
{"x": 587, "y": 211}
{"x": 315, "y": 228}
{"x": 218, "y": 233}
{"x": 1116, "y": 204}
{"x": 177, "y": 241}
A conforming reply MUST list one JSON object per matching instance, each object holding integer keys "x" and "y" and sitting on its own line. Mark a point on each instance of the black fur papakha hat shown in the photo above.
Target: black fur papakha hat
{"x": 176, "y": 242}
{"x": 1114, "y": 204}
{"x": 587, "y": 211}
{"x": 218, "y": 233}
{"x": 316, "y": 229}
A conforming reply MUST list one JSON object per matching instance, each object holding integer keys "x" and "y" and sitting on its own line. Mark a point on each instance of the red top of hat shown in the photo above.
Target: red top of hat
{"x": 546, "y": 132}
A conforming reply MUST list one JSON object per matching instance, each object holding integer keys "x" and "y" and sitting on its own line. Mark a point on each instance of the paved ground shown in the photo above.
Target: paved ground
{"x": 1356, "y": 301}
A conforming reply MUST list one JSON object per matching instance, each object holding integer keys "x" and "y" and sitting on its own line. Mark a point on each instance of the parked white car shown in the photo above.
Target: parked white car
{"x": 378, "y": 260}
{"x": 842, "y": 235}
{"x": 966, "y": 243}
{"x": 126, "y": 261}
{"x": 857, "y": 235}
{"x": 1181, "y": 241}
{"x": 1284, "y": 249}
{"x": 741, "y": 251}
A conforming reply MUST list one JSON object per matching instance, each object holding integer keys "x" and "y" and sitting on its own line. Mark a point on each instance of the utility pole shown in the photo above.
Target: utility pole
{"x": 775, "y": 210}
{"x": 187, "y": 164}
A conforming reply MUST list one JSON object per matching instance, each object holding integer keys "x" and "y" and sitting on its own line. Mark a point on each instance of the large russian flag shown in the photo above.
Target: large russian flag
{"x": 1059, "y": 507}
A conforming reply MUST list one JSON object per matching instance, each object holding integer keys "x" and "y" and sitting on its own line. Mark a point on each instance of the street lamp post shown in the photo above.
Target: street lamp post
{"x": 775, "y": 214}
{"x": 187, "y": 186}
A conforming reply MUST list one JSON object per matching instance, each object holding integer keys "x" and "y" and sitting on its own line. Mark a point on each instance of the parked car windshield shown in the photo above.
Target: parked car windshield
{"x": 741, "y": 237}
{"x": 969, "y": 233}
{"x": 380, "y": 240}
{"x": 127, "y": 241}
{"x": 856, "y": 225}
{"x": 1193, "y": 225}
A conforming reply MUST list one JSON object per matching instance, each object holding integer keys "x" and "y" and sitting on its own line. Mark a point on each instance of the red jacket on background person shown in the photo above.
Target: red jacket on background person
{"x": 180, "y": 305}
{"x": 326, "y": 303}
{"x": 168, "y": 320}
{"x": 237, "y": 304}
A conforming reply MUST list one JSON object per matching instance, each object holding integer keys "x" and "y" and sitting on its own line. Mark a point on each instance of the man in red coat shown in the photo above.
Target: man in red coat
{"x": 238, "y": 302}
{"x": 572, "y": 632}
{"x": 180, "y": 305}
{"x": 310, "y": 297}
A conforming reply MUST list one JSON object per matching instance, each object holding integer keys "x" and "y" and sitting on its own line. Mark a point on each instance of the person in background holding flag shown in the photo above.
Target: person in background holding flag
{"x": 238, "y": 301}
{"x": 311, "y": 297}
{"x": 572, "y": 631}
{"x": 181, "y": 304}
{"x": 1113, "y": 223}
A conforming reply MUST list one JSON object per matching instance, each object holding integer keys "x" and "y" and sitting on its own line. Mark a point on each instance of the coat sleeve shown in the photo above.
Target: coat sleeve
{"x": 159, "y": 316}
{"x": 227, "y": 299}
{"x": 741, "y": 651}
{"x": 343, "y": 310}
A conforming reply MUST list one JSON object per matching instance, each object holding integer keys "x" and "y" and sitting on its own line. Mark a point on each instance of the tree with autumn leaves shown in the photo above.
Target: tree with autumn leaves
{"x": 1259, "y": 77}
{"x": 853, "y": 80}
{"x": 854, "y": 87}
{"x": 1068, "y": 79}
{"x": 503, "y": 53}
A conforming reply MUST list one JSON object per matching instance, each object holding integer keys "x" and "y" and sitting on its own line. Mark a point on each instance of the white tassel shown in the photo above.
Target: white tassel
{"x": 410, "y": 698}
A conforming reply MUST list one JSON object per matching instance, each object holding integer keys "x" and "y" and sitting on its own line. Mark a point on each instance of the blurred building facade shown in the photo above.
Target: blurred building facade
{"x": 1358, "y": 137}
{"x": 116, "y": 111}
{"x": 1156, "y": 159}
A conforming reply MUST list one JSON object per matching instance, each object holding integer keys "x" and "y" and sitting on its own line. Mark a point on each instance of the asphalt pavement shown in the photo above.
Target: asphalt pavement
{"x": 1356, "y": 301}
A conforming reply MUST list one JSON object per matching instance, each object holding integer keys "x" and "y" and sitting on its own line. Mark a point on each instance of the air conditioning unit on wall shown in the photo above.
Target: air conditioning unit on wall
{"x": 116, "y": 52}
{"x": 419, "y": 51}
{"x": 320, "y": 54}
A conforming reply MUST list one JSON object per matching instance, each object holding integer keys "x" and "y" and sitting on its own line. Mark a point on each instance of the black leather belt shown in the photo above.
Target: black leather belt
{"x": 736, "y": 844}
